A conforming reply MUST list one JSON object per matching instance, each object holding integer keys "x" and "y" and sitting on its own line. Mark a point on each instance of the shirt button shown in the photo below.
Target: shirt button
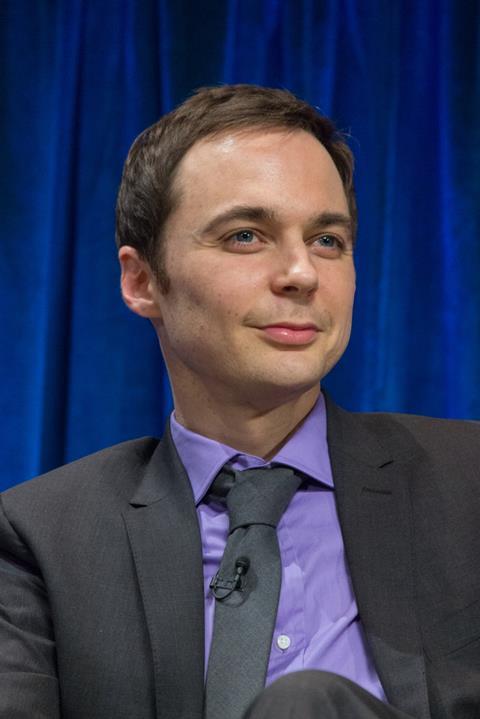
{"x": 283, "y": 642}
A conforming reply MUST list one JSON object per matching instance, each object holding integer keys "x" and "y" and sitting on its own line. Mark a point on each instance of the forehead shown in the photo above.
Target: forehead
{"x": 271, "y": 167}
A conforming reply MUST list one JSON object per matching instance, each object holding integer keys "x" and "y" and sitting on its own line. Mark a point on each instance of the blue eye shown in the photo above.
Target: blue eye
{"x": 244, "y": 237}
{"x": 328, "y": 241}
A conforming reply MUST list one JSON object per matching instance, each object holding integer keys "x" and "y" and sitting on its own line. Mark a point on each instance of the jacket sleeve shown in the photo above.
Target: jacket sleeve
{"x": 28, "y": 678}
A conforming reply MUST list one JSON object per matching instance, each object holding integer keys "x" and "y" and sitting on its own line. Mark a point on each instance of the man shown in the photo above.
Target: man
{"x": 236, "y": 224}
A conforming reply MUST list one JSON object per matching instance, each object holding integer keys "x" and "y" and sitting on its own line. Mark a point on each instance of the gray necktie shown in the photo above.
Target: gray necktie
{"x": 246, "y": 587}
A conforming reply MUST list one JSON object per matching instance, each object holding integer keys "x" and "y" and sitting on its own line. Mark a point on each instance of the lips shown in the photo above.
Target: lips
{"x": 291, "y": 334}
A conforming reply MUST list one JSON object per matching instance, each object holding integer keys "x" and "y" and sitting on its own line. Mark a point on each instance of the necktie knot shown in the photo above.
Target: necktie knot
{"x": 256, "y": 496}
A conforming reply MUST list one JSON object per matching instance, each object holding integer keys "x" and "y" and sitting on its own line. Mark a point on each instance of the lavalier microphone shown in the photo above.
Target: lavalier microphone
{"x": 222, "y": 586}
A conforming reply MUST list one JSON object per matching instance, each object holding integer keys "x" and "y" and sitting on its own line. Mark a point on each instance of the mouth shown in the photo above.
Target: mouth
{"x": 288, "y": 333}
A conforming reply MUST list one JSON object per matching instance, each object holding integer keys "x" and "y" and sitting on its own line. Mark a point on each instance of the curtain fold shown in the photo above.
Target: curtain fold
{"x": 79, "y": 80}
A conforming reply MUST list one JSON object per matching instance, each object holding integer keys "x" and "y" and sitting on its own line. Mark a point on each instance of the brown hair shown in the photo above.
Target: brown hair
{"x": 146, "y": 197}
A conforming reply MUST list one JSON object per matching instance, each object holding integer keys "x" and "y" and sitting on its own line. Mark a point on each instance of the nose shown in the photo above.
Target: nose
{"x": 295, "y": 271}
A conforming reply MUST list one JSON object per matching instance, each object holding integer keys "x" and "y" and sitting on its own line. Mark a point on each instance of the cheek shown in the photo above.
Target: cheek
{"x": 341, "y": 292}
{"x": 200, "y": 301}
{"x": 222, "y": 289}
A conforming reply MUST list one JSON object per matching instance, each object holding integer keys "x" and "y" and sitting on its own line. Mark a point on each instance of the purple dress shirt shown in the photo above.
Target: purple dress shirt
{"x": 317, "y": 624}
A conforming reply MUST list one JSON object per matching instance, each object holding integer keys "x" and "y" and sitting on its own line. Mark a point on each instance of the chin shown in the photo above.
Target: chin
{"x": 278, "y": 388}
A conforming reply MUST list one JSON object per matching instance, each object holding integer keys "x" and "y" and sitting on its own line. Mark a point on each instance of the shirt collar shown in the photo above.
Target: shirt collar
{"x": 306, "y": 451}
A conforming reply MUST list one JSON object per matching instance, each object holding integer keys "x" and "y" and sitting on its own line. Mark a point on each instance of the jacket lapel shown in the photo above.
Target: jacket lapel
{"x": 165, "y": 540}
{"x": 372, "y": 474}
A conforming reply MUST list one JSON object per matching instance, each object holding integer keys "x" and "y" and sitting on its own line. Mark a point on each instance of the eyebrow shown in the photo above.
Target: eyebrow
{"x": 326, "y": 219}
{"x": 248, "y": 213}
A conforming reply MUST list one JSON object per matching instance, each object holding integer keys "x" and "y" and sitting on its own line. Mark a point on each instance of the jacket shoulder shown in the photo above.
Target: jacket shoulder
{"x": 444, "y": 448}
{"x": 432, "y": 434}
{"x": 379, "y": 437}
{"x": 114, "y": 471}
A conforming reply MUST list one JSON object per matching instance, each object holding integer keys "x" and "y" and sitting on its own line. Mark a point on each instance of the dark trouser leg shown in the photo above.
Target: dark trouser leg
{"x": 319, "y": 695}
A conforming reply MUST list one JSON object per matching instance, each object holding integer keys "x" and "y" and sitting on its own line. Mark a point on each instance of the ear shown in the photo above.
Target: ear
{"x": 139, "y": 287}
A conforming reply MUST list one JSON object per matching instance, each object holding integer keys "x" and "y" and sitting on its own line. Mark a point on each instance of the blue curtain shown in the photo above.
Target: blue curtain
{"x": 80, "y": 79}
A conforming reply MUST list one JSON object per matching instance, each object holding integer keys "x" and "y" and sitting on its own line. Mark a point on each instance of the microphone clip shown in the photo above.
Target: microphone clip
{"x": 223, "y": 587}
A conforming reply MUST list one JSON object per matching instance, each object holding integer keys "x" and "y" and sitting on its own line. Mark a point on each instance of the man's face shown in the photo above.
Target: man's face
{"x": 259, "y": 256}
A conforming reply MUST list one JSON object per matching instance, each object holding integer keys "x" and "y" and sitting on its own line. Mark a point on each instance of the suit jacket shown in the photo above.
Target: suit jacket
{"x": 101, "y": 586}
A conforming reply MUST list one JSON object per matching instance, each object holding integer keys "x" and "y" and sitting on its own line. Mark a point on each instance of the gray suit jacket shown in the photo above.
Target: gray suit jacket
{"x": 101, "y": 587}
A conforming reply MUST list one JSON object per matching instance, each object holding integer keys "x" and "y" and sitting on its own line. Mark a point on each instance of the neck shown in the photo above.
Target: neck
{"x": 248, "y": 427}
